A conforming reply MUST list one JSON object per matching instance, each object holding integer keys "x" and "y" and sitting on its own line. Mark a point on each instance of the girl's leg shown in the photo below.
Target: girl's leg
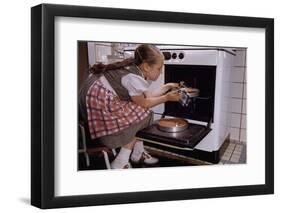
{"x": 130, "y": 145}
{"x": 122, "y": 159}
{"x": 138, "y": 149}
{"x": 139, "y": 155}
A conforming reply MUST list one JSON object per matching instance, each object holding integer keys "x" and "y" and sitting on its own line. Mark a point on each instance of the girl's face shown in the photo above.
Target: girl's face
{"x": 153, "y": 71}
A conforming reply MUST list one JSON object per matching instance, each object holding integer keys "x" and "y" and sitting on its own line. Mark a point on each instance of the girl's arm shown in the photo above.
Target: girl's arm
{"x": 164, "y": 88}
{"x": 148, "y": 102}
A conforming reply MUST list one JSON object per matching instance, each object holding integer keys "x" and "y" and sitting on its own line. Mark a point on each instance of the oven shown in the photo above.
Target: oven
{"x": 201, "y": 77}
{"x": 207, "y": 69}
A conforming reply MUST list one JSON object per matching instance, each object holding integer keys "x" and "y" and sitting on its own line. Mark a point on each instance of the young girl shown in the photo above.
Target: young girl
{"x": 117, "y": 101}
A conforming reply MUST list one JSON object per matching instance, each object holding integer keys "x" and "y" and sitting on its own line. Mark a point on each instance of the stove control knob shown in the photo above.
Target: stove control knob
{"x": 174, "y": 55}
{"x": 167, "y": 55}
{"x": 181, "y": 56}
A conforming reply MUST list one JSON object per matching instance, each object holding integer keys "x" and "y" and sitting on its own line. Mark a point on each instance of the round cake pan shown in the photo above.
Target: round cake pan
{"x": 176, "y": 124}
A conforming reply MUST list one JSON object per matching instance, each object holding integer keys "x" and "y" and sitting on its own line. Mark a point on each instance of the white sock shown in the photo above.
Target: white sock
{"x": 138, "y": 150}
{"x": 121, "y": 159}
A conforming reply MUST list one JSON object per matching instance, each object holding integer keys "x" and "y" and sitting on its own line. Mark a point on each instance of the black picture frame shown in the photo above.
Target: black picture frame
{"x": 43, "y": 105}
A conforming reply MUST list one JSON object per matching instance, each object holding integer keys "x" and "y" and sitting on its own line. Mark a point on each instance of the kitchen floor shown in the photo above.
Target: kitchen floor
{"x": 235, "y": 153}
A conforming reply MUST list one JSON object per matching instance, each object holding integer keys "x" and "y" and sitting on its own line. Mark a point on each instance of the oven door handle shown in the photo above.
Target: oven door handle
{"x": 164, "y": 144}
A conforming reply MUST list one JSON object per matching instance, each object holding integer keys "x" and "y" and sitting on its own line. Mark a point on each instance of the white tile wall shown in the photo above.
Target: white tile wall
{"x": 236, "y": 90}
{"x": 234, "y": 133}
{"x": 235, "y": 105}
{"x": 244, "y": 108}
{"x": 243, "y": 135}
{"x": 98, "y": 52}
{"x": 237, "y": 74}
{"x": 243, "y": 122}
{"x": 102, "y": 51}
{"x": 245, "y": 76}
{"x": 235, "y": 120}
{"x": 245, "y": 91}
{"x": 240, "y": 58}
{"x": 238, "y": 94}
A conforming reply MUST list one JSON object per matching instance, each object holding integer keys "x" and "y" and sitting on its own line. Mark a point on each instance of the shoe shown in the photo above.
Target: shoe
{"x": 145, "y": 158}
{"x": 116, "y": 166}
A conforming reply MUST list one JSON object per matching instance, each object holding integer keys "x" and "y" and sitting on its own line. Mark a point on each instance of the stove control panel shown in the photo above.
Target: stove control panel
{"x": 168, "y": 55}
{"x": 190, "y": 56}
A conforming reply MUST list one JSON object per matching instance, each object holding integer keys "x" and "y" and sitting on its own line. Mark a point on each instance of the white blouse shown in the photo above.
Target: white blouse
{"x": 135, "y": 84}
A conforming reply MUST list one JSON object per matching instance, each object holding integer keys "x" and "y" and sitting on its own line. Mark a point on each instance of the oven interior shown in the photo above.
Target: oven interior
{"x": 201, "y": 77}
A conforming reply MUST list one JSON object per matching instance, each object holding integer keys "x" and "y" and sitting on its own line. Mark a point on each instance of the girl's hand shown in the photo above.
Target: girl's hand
{"x": 171, "y": 85}
{"x": 173, "y": 96}
{"x": 190, "y": 90}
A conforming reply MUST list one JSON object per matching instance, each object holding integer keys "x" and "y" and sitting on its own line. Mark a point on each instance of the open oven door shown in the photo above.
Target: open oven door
{"x": 192, "y": 135}
{"x": 183, "y": 140}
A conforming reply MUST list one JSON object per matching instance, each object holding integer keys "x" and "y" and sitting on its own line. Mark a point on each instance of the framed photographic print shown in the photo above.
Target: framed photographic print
{"x": 141, "y": 106}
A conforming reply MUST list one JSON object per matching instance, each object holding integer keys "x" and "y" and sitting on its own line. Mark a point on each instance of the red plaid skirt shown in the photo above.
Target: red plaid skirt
{"x": 107, "y": 114}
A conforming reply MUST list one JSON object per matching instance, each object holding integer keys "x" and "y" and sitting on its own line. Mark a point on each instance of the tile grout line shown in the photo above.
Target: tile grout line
{"x": 231, "y": 155}
{"x": 232, "y": 152}
{"x": 242, "y": 100}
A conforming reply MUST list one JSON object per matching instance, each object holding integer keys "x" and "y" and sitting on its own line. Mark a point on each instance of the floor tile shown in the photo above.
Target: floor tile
{"x": 234, "y": 153}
